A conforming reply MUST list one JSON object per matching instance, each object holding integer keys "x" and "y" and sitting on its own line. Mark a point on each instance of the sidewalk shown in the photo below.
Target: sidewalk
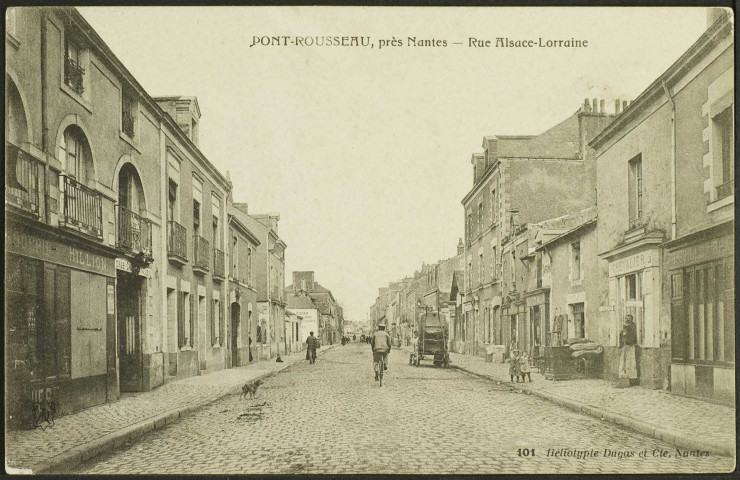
{"x": 684, "y": 422}
{"x": 80, "y": 436}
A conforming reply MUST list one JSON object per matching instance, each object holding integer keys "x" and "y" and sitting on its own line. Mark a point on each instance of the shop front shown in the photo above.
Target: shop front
{"x": 702, "y": 299}
{"x": 539, "y": 321}
{"x": 635, "y": 289}
{"x": 60, "y": 322}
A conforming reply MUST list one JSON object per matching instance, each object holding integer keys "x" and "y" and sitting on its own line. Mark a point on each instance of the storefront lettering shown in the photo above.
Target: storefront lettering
{"x": 631, "y": 263}
{"x": 45, "y": 249}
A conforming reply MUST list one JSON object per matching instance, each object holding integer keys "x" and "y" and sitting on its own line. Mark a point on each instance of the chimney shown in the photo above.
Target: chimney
{"x": 184, "y": 111}
{"x": 624, "y": 105}
{"x": 617, "y": 107}
{"x": 460, "y": 247}
{"x": 586, "y": 106}
{"x": 602, "y": 110}
{"x": 595, "y": 105}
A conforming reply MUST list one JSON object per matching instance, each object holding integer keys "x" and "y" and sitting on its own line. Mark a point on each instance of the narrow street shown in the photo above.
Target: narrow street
{"x": 332, "y": 417}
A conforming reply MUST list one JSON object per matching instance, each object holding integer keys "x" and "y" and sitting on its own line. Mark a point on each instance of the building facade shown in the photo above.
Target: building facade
{"x": 555, "y": 168}
{"x": 242, "y": 289}
{"x": 666, "y": 221}
{"x": 330, "y": 314}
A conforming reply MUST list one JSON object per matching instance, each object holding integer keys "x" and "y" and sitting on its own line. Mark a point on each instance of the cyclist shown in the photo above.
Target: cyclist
{"x": 381, "y": 343}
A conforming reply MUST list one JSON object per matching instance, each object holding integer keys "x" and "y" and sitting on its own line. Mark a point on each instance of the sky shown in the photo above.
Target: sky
{"x": 365, "y": 152}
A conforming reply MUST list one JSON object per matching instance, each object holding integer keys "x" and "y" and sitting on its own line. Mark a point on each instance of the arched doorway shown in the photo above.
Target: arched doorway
{"x": 235, "y": 331}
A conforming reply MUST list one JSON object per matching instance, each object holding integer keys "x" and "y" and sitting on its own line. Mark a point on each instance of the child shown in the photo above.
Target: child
{"x": 523, "y": 362}
{"x": 514, "y": 367}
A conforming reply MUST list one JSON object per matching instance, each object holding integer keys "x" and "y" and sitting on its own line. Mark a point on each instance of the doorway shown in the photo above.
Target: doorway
{"x": 235, "y": 314}
{"x": 129, "y": 332}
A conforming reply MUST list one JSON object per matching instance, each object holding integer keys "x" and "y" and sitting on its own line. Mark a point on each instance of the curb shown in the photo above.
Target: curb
{"x": 645, "y": 428}
{"x": 62, "y": 462}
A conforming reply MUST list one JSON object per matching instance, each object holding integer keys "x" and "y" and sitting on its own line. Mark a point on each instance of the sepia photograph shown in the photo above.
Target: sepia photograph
{"x": 440, "y": 240}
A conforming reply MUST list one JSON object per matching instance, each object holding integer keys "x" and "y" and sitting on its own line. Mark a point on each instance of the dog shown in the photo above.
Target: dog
{"x": 250, "y": 388}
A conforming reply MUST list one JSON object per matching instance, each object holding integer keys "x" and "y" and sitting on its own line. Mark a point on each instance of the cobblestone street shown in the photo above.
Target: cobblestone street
{"x": 332, "y": 417}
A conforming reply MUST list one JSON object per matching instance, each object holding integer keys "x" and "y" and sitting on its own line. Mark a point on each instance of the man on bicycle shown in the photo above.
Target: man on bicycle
{"x": 381, "y": 343}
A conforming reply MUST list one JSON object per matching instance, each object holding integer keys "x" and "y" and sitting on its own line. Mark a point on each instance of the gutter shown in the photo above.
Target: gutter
{"x": 673, "y": 159}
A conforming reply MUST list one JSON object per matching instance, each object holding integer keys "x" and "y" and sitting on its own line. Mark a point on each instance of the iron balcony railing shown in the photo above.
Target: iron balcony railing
{"x": 219, "y": 263}
{"x": 177, "y": 243}
{"x": 74, "y": 75}
{"x": 134, "y": 232}
{"x": 127, "y": 123}
{"x": 726, "y": 189}
{"x": 22, "y": 179}
{"x": 201, "y": 249}
{"x": 83, "y": 207}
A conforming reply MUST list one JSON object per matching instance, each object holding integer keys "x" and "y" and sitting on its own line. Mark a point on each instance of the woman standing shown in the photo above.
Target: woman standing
{"x": 627, "y": 360}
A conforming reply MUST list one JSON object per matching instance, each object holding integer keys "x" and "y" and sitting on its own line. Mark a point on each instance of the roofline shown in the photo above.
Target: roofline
{"x": 705, "y": 42}
{"x": 562, "y": 236}
{"x": 243, "y": 228}
{"x": 107, "y": 54}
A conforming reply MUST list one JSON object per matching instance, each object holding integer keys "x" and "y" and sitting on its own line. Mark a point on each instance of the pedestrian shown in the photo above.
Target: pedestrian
{"x": 514, "y": 366}
{"x": 627, "y": 355}
{"x": 381, "y": 344}
{"x": 354, "y": 338}
{"x": 414, "y": 348}
{"x": 312, "y": 343}
{"x": 523, "y": 363}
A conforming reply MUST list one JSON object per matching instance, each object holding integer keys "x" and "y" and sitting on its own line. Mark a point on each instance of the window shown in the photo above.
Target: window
{"x": 539, "y": 270}
{"x": 72, "y": 152}
{"x": 469, "y": 227}
{"x": 73, "y": 72}
{"x": 216, "y": 321}
{"x": 575, "y": 272}
{"x": 172, "y": 201}
{"x": 632, "y": 287}
{"x": 494, "y": 206}
{"x": 480, "y": 268}
{"x": 249, "y": 265}
{"x": 216, "y": 235}
{"x": 494, "y": 263}
{"x": 579, "y": 320}
{"x": 470, "y": 276}
{"x": 187, "y": 320}
{"x": 196, "y": 217}
{"x": 235, "y": 258}
{"x": 676, "y": 285}
{"x": 635, "y": 192}
{"x": 724, "y": 145}
{"x": 128, "y": 114}
{"x": 480, "y": 217}
{"x": 182, "y": 339}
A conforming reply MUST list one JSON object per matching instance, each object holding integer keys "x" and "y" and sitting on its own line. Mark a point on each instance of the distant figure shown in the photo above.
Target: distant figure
{"x": 514, "y": 366}
{"x": 524, "y": 370}
{"x": 312, "y": 343}
{"x": 354, "y": 338}
{"x": 414, "y": 347}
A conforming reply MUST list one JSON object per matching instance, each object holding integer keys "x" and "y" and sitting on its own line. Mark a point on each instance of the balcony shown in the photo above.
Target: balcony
{"x": 74, "y": 75}
{"x": 726, "y": 189}
{"x": 22, "y": 180}
{"x": 82, "y": 208}
{"x": 219, "y": 264}
{"x": 177, "y": 243}
{"x": 134, "y": 233}
{"x": 201, "y": 254}
{"x": 127, "y": 123}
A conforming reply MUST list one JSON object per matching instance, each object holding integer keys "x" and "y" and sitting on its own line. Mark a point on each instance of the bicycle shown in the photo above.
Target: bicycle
{"x": 381, "y": 368}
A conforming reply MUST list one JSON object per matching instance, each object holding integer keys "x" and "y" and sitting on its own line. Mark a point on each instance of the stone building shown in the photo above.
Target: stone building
{"x": 330, "y": 326}
{"x": 666, "y": 221}
{"x": 268, "y": 269}
{"x": 242, "y": 288}
{"x": 519, "y": 180}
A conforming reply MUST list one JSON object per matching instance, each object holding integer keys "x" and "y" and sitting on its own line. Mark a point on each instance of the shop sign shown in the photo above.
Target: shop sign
{"x": 534, "y": 300}
{"x": 53, "y": 251}
{"x": 633, "y": 263}
{"x": 123, "y": 264}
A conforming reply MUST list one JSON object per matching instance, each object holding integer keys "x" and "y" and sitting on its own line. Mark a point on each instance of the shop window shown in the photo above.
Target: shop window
{"x": 631, "y": 285}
